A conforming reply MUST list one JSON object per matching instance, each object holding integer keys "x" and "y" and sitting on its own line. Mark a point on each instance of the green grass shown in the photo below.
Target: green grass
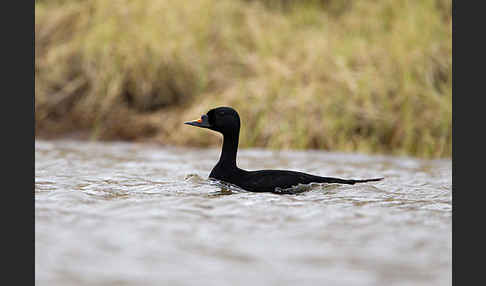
{"x": 366, "y": 76}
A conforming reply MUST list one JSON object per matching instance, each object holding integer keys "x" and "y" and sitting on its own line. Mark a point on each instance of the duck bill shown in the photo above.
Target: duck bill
{"x": 202, "y": 122}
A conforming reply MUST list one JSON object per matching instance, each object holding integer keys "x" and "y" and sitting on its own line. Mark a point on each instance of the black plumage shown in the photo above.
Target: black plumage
{"x": 226, "y": 121}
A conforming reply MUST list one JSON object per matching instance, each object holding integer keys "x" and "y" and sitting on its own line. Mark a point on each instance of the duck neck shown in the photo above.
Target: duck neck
{"x": 230, "y": 147}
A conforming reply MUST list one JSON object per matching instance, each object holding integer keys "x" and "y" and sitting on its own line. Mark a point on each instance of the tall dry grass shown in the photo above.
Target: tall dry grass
{"x": 367, "y": 76}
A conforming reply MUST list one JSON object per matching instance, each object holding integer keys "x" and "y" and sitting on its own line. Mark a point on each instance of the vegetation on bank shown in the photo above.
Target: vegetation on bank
{"x": 339, "y": 75}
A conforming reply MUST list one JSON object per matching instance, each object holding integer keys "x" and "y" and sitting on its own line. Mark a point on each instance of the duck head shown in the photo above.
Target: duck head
{"x": 221, "y": 119}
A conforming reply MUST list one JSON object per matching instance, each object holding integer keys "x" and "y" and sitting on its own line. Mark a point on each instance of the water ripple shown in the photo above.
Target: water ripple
{"x": 132, "y": 214}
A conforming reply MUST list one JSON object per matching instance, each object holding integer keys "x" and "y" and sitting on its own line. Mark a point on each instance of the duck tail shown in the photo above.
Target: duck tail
{"x": 367, "y": 180}
{"x": 349, "y": 182}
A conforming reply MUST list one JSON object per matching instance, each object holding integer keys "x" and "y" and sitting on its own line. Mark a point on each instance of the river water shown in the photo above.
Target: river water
{"x": 138, "y": 214}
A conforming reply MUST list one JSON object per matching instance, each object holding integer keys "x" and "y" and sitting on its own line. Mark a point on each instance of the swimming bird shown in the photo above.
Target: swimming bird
{"x": 226, "y": 121}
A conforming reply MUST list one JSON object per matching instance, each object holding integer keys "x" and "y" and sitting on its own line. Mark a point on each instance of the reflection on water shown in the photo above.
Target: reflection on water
{"x": 132, "y": 214}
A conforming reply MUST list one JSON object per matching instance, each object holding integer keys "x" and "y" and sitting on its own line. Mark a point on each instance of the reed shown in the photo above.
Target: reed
{"x": 365, "y": 76}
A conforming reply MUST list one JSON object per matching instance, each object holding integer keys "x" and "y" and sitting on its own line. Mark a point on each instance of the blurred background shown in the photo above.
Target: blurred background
{"x": 338, "y": 75}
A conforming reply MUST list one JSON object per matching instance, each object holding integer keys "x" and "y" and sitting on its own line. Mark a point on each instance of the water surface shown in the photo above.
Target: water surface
{"x": 137, "y": 214}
